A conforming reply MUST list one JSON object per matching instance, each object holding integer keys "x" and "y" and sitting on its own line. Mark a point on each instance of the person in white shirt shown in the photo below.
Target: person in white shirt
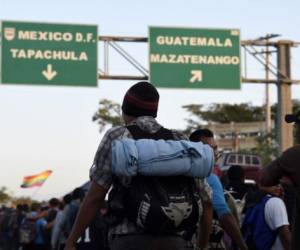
{"x": 277, "y": 219}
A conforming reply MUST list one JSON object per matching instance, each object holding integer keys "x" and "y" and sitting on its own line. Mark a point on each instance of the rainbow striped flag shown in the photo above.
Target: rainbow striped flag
{"x": 35, "y": 180}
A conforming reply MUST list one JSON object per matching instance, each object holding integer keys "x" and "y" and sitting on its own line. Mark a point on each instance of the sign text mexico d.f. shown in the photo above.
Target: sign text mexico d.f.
{"x": 194, "y": 58}
{"x": 52, "y": 54}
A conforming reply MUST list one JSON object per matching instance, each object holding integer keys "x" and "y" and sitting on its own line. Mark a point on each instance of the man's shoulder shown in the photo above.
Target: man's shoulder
{"x": 114, "y": 132}
{"x": 275, "y": 213}
{"x": 274, "y": 204}
{"x": 274, "y": 201}
{"x": 115, "y": 129}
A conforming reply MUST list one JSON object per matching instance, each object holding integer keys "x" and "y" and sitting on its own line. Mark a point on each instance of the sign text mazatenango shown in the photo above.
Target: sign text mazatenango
{"x": 194, "y": 59}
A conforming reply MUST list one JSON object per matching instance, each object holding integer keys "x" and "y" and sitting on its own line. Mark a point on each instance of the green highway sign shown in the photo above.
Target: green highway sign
{"x": 48, "y": 54}
{"x": 194, "y": 58}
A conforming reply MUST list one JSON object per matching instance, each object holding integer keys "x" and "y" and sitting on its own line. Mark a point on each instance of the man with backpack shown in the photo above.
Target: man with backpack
{"x": 223, "y": 216}
{"x": 288, "y": 165}
{"x": 28, "y": 227}
{"x": 141, "y": 195}
{"x": 265, "y": 224}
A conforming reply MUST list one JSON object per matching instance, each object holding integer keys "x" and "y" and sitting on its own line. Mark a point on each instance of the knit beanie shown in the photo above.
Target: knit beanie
{"x": 141, "y": 100}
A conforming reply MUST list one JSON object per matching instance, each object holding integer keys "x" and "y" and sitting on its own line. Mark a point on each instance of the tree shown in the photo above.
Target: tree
{"x": 296, "y": 105}
{"x": 295, "y": 108}
{"x": 24, "y": 200}
{"x": 4, "y": 195}
{"x": 226, "y": 113}
{"x": 267, "y": 147}
{"x": 222, "y": 113}
{"x": 108, "y": 114}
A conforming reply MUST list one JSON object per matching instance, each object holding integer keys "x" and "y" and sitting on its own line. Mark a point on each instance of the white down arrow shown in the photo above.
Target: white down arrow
{"x": 49, "y": 73}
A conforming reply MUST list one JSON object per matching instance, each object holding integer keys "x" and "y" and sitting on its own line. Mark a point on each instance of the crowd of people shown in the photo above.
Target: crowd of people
{"x": 165, "y": 210}
{"x": 46, "y": 226}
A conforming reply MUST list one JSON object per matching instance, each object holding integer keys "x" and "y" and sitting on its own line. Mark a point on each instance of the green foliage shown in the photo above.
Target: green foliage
{"x": 222, "y": 113}
{"x": 226, "y": 113}
{"x": 295, "y": 108}
{"x": 266, "y": 148}
{"x": 195, "y": 121}
{"x": 296, "y": 105}
{"x": 4, "y": 195}
{"x": 24, "y": 200}
{"x": 108, "y": 113}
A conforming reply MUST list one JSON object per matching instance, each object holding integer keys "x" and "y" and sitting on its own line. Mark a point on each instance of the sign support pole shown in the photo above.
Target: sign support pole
{"x": 284, "y": 130}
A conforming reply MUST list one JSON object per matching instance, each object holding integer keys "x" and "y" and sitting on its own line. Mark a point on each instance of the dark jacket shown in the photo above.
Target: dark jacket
{"x": 287, "y": 164}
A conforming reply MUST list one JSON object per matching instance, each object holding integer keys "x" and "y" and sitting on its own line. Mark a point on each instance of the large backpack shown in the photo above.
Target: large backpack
{"x": 256, "y": 232}
{"x": 159, "y": 205}
{"x": 28, "y": 231}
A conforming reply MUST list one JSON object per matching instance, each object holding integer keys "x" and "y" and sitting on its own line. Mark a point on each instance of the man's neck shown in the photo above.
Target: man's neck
{"x": 130, "y": 120}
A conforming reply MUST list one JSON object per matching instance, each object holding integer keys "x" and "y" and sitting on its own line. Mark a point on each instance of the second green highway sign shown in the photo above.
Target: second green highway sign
{"x": 194, "y": 58}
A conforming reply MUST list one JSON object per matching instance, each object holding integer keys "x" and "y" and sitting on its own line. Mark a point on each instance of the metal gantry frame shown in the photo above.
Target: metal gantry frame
{"x": 247, "y": 45}
{"x": 113, "y": 42}
{"x": 281, "y": 72}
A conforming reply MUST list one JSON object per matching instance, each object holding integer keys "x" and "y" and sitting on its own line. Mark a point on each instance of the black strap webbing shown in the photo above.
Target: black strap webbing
{"x": 138, "y": 133}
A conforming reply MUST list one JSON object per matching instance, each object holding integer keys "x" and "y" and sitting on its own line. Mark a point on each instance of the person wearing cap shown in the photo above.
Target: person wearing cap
{"x": 288, "y": 164}
{"x": 139, "y": 108}
{"x": 223, "y": 215}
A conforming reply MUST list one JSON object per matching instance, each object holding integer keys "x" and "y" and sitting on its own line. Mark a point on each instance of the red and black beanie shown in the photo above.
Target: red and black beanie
{"x": 141, "y": 100}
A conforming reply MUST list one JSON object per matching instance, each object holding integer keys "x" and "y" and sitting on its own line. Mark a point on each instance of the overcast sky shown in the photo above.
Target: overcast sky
{"x": 50, "y": 127}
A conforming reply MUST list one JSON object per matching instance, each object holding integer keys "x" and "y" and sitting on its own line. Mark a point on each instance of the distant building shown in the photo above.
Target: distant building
{"x": 237, "y": 136}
